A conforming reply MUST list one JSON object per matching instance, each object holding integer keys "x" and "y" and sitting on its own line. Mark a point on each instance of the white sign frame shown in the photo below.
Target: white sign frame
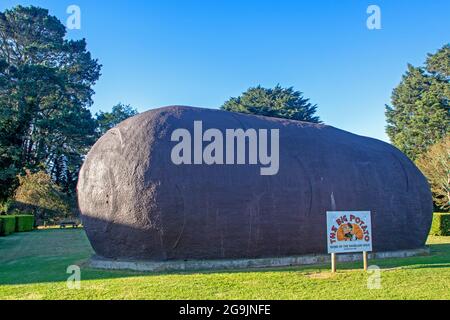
{"x": 341, "y": 241}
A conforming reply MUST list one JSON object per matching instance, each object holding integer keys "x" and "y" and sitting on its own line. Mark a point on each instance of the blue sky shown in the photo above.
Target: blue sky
{"x": 200, "y": 53}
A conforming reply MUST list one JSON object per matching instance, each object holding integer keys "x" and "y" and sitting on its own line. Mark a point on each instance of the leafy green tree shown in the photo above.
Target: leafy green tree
{"x": 108, "y": 120}
{"x": 277, "y": 102}
{"x": 439, "y": 63}
{"x": 37, "y": 193}
{"x": 419, "y": 115}
{"x": 435, "y": 165}
{"x": 45, "y": 92}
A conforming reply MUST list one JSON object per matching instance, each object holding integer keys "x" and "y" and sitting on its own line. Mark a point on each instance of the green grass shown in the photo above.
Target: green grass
{"x": 33, "y": 266}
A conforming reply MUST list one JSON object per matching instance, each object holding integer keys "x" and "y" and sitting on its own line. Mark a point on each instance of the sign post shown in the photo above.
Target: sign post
{"x": 365, "y": 260}
{"x": 333, "y": 262}
{"x": 349, "y": 232}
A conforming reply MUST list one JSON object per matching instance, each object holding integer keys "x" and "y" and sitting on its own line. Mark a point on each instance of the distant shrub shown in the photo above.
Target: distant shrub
{"x": 5, "y": 206}
{"x": 441, "y": 224}
{"x": 435, "y": 165}
{"x": 24, "y": 223}
{"x": 37, "y": 193}
{"x": 7, "y": 225}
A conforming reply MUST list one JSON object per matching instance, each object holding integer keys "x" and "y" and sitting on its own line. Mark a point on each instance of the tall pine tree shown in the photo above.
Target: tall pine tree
{"x": 420, "y": 112}
{"x": 45, "y": 92}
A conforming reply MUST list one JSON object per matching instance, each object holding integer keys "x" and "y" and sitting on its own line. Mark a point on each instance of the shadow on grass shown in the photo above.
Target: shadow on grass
{"x": 43, "y": 256}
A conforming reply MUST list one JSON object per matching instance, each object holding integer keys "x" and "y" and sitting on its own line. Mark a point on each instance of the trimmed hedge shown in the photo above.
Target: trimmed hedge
{"x": 7, "y": 225}
{"x": 24, "y": 223}
{"x": 441, "y": 224}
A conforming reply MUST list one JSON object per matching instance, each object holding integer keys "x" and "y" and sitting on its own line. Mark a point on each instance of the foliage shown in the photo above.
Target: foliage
{"x": 439, "y": 63}
{"x": 441, "y": 224}
{"x": 435, "y": 165}
{"x": 7, "y": 225}
{"x": 37, "y": 193}
{"x": 108, "y": 120}
{"x": 45, "y": 91}
{"x": 277, "y": 102}
{"x": 5, "y": 206}
{"x": 24, "y": 223}
{"x": 420, "y": 111}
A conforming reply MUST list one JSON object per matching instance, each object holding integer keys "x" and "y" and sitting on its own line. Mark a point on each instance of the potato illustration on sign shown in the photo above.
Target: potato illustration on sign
{"x": 349, "y": 232}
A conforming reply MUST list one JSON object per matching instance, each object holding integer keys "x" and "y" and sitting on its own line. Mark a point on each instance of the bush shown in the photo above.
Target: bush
{"x": 441, "y": 224}
{"x": 24, "y": 223}
{"x": 38, "y": 194}
{"x": 435, "y": 165}
{"x": 7, "y": 225}
{"x": 5, "y": 206}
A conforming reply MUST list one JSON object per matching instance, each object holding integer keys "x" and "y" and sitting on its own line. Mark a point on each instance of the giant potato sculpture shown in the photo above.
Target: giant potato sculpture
{"x": 137, "y": 204}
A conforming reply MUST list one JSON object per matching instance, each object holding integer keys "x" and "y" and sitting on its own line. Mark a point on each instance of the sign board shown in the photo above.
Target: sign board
{"x": 349, "y": 231}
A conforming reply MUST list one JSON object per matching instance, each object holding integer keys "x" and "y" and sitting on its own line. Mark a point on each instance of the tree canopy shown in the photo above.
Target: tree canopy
{"x": 119, "y": 113}
{"x": 275, "y": 102}
{"x": 38, "y": 193}
{"x": 45, "y": 92}
{"x": 419, "y": 114}
{"x": 435, "y": 165}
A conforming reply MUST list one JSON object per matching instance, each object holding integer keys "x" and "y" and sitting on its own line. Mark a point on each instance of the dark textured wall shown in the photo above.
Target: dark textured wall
{"x": 137, "y": 204}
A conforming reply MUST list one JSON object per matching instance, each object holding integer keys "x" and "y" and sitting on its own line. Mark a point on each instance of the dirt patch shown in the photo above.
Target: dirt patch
{"x": 320, "y": 275}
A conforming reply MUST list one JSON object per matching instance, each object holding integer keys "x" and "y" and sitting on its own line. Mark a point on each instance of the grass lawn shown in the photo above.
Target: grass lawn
{"x": 33, "y": 266}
